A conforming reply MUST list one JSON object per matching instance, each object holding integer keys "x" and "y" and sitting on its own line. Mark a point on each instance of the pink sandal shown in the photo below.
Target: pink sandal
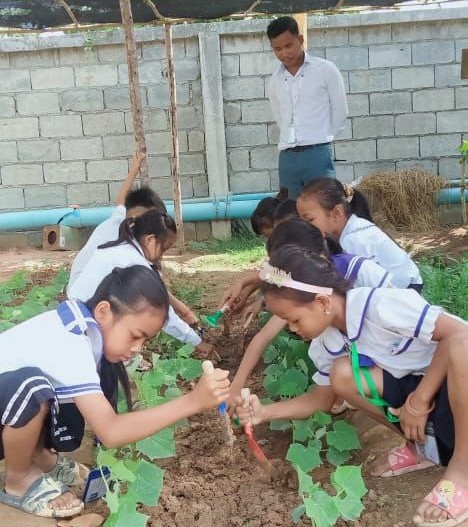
{"x": 403, "y": 461}
{"x": 449, "y": 497}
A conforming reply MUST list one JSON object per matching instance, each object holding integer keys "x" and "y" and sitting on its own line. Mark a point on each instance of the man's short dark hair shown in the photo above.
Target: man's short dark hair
{"x": 144, "y": 197}
{"x": 278, "y": 26}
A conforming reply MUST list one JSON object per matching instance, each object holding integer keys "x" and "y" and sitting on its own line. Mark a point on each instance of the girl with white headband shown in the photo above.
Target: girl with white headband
{"x": 386, "y": 351}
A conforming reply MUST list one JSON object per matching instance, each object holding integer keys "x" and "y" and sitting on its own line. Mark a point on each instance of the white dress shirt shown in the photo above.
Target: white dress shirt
{"x": 309, "y": 107}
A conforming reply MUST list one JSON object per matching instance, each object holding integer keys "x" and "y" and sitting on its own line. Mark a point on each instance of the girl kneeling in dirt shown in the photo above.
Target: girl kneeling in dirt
{"x": 74, "y": 354}
{"x": 409, "y": 357}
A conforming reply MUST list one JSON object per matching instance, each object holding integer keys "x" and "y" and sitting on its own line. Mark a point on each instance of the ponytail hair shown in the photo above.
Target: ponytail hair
{"x": 264, "y": 214}
{"x": 128, "y": 290}
{"x": 307, "y": 267}
{"x": 151, "y": 222}
{"x": 301, "y": 233}
{"x": 284, "y": 211}
{"x": 330, "y": 192}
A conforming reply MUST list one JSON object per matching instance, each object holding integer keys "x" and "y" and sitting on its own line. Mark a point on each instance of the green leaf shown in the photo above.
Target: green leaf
{"x": 297, "y": 513}
{"x": 307, "y": 458}
{"x": 190, "y": 369}
{"x": 348, "y": 479}
{"x": 127, "y": 516}
{"x": 335, "y": 457}
{"x": 158, "y": 446}
{"x": 320, "y": 432}
{"x": 321, "y": 418}
{"x": 172, "y": 392}
{"x": 292, "y": 382}
{"x": 106, "y": 457}
{"x": 274, "y": 371}
{"x": 343, "y": 436}
{"x": 300, "y": 430}
{"x": 185, "y": 351}
{"x": 321, "y": 508}
{"x": 112, "y": 500}
{"x": 280, "y": 425}
{"x": 350, "y": 507}
{"x": 270, "y": 354}
{"x": 120, "y": 471}
{"x": 148, "y": 484}
{"x": 306, "y": 485}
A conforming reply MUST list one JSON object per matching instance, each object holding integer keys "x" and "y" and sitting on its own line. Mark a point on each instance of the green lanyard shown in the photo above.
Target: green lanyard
{"x": 375, "y": 398}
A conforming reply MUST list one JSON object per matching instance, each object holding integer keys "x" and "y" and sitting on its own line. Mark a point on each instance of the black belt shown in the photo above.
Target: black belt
{"x": 304, "y": 147}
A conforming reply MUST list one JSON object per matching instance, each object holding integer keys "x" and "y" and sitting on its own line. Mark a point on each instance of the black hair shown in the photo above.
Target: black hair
{"x": 144, "y": 197}
{"x": 128, "y": 290}
{"x": 330, "y": 192}
{"x": 307, "y": 267}
{"x": 151, "y": 222}
{"x": 264, "y": 213}
{"x": 278, "y": 26}
{"x": 301, "y": 233}
{"x": 285, "y": 210}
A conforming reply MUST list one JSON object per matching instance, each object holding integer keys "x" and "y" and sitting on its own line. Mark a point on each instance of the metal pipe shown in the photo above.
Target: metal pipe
{"x": 451, "y": 196}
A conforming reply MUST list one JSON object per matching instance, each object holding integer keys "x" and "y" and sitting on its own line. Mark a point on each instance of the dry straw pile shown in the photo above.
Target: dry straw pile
{"x": 403, "y": 200}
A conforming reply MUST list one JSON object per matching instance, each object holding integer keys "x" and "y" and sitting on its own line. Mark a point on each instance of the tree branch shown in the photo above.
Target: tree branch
{"x": 69, "y": 12}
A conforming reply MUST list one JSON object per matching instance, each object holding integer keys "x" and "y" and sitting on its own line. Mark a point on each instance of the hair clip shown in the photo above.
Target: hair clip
{"x": 280, "y": 278}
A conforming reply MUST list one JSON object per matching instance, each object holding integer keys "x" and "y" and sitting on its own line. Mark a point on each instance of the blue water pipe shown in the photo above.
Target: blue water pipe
{"x": 451, "y": 196}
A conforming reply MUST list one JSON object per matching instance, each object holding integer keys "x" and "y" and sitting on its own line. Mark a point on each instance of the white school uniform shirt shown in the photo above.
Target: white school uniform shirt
{"x": 102, "y": 262}
{"x": 361, "y": 271}
{"x": 106, "y": 231}
{"x": 363, "y": 238}
{"x": 309, "y": 107}
{"x": 65, "y": 344}
{"x": 391, "y": 328}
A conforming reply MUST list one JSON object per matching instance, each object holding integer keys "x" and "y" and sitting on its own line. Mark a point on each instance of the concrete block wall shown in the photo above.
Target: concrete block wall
{"x": 66, "y": 132}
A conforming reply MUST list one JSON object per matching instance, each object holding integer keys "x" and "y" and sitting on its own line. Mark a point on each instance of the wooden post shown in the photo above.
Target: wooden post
{"x": 301, "y": 19}
{"x": 175, "y": 172}
{"x": 134, "y": 86}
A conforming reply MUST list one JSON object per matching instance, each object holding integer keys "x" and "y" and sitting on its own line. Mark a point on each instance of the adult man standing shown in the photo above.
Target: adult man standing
{"x": 308, "y": 101}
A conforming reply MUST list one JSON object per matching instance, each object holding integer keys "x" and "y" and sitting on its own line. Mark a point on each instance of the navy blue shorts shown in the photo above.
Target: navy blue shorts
{"x": 396, "y": 391}
{"x": 22, "y": 392}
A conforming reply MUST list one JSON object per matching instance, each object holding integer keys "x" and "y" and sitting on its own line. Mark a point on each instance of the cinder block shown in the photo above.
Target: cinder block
{"x": 40, "y": 150}
{"x": 256, "y": 111}
{"x": 264, "y": 157}
{"x": 159, "y": 167}
{"x": 361, "y": 35}
{"x": 230, "y": 65}
{"x": 392, "y": 102}
{"x": 415, "y": 31}
{"x": 246, "y": 43}
{"x": 186, "y": 70}
{"x": 273, "y": 134}
{"x": 96, "y": 75}
{"x": 192, "y": 49}
{"x": 454, "y": 121}
{"x": 64, "y": 172}
{"x": 358, "y": 104}
{"x": 87, "y": 194}
{"x": 387, "y": 55}
{"x": 204, "y": 231}
{"x": 115, "y": 53}
{"x": 460, "y": 45}
{"x": 239, "y": 159}
{"x": 82, "y": 100}
{"x": 153, "y": 120}
{"x": 22, "y": 174}
{"x": 232, "y": 112}
{"x": 403, "y": 78}
{"x": 8, "y": 152}
{"x": 158, "y": 95}
{"x": 188, "y": 117}
{"x": 196, "y": 141}
{"x": 159, "y": 143}
{"x": 156, "y": 50}
{"x": 5, "y": 60}
{"x": 63, "y": 238}
{"x": 89, "y": 148}
{"x": 355, "y": 58}
{"x": 433, "y": 100}
{"x": 439, "y": 145}
{"x": 72, "y": 56}
{"x": 107, "y": 170}
{"x": 61, "y": 126}
{"x": 369, "y": 81}
{"x": 45, "y": 196}
{"x": 7, "y": 106}
{"x": 149, "y": 72}
{"x": 200, "y": 186}
{"x": 33, "y": 59}
{"x": 118, "y": 98}
{"x": 461, "y": 98}
{"x": 364, "y": 169}
{"x": 415, "y": 124}
{"x": 350, "y": 151}
{"x": 398, "y": 148}
{"x": 433, "y": 52}
{"x": 246, "y": 135}
{"x": 15, "y": 81}
{"x": 243, "y": 88}
{"x": 163, "y": 186}
{"x": 11, "y": 198}
{"x": 43, "y": 79}
{"x": 19, "y": 128}
{"x": 192, "y": 164}
{"x": 449, "y": 167}
{"x": 373, "y": 126}
{"x": 119, "y": 145}
{"x": 103, "y": 123}
{"x": 328, "y": 37}
{"x": 37, "y": 103}
{"x": 449, "y": 75}
{"x": 426, "y": 164}
{"x": 249, "y": 181}
{"x": 258, "y": 63}
{"x": 344, "y": 172}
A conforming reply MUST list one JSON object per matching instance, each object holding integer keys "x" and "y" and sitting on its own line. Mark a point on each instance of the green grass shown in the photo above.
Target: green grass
{"x": 446, "y": 283}
{"x": 190, "y": 294}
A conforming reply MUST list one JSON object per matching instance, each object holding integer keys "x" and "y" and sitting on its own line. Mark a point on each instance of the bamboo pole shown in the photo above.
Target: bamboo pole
{"x": 301, "y": 19}
{"x": 462, "y": 184}
{"x": 175, "y": 172}
{"x": 134, "y": 86}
